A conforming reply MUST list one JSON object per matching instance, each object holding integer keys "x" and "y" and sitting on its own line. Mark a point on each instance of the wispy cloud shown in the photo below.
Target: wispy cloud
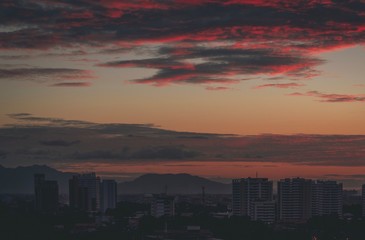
{"x": 44, "y": 74}
{"x": 216, "y": 65}
{"x": 217, "y": 88}
{"x": 331, "y": 97}
{"x": 72, "y": 84}
{"x": 280, "y": 85}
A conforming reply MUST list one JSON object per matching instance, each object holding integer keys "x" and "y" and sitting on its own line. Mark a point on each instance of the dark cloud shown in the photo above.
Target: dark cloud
{"x": 332, "y": 97}
{"x": 39, "y": 141}
{"x": 157, "y": 153}
{"x": 72, "y": 84}
{"x": 19, "y": 115}
{"x": 165, "y": 153}
{"x": 14, "y": 57}
{"x": 32, "y": 153}
{"x": 98, "y": 154}
{"x": 339, "y": 176}
{"x": 32, "y": 124}
{"x": 3, "y": 154}
{"x": 46, "y": 121}
{"x": 218, "y": 65}
{"x": 44, "y": 74}
{"x": 58, "y": 143}
{"x": 206, "y": 41}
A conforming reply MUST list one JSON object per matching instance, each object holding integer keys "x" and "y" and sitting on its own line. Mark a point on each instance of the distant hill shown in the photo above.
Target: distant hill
{"x": 20, "y": 180}
{"x": 176, "y": 183}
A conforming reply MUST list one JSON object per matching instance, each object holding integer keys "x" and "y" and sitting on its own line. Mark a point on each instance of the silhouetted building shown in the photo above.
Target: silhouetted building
{"x": 327, "y": 198}
{"x": 363, "y": 199}
{"x": 108, "y": 195}
{"x": 247, "y": 191}
{"x": 294, "y": 199}
{"x": 84, "y": 192}
{"x": 46, "y": 194}
{"x": 163, "y": 205}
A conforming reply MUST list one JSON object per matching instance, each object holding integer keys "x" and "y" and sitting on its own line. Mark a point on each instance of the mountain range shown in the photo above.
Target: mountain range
{"x": 19, "y": 180}
{"x": 173, "y": 184}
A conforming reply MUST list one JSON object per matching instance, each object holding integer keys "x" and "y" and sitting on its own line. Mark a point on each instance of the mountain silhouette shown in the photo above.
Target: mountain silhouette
{"x": 174, "y": 184}
{"x": 20, "y": 180}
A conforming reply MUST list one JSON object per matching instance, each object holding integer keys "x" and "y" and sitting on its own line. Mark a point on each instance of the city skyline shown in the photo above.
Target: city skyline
{"x": 220, "y": 89}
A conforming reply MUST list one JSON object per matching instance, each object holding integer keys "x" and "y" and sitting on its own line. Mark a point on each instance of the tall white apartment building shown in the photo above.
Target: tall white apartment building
{"x": 249, "y": 196}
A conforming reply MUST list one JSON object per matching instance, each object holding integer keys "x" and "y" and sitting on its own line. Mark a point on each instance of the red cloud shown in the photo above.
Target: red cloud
{"x": 287, "y": 33}
{"x": 280, "y": 85}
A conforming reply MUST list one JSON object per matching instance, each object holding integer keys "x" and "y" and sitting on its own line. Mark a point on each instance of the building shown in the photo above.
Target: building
{"x": 163, "y": 205}
{"x": 247, "y": 191}
{"x": 84, "y": 192}
{"x": 294, "y": 199}
{"x": 363, "y": 199}
{"x": 46, "y": 194}
{"x": 300, "y": 199}
{"x": 327, "y": 198}
{"x": 108, "y": 195}
{"x": 264, "y": 211}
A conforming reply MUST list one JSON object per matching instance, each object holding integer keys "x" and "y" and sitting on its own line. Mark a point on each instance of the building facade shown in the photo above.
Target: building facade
{"x": 327, "y": 198}
{"x": 108, "y": 195}
{"x": 246, "y": 192}
{"x": 163, "y": 205}
{"x": 84, "y": 192}
{"x": 46, "y": 194}
{"x": 264, "y": 211}
{"x": 300, "y": 199}
{"x": 294, "y": 199}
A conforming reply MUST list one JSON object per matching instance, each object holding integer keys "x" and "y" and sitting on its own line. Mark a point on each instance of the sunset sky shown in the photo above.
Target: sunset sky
{"x": 288, "y": 74}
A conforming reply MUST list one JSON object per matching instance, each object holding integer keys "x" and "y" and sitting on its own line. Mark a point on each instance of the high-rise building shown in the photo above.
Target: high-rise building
{"x": 294, "y": 199}
{"x": 299, "y": 199}
{"x": 46, "y": 194}
{"x": 327, "y": 198}
{"x": 247, "y": 191}
{"x": 108, "y": 195}
{"x": 163, "y": 205}
{"x": 84, "y": 192}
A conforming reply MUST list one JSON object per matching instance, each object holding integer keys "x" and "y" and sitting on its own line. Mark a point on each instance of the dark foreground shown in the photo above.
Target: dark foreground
{"x": 130, "y": 220}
